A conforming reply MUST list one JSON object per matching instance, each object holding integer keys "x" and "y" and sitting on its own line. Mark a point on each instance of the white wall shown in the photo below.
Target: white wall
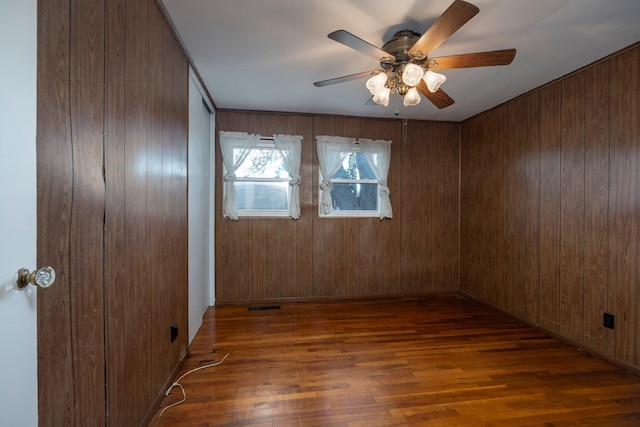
{"x": 200, "y": 212}
{"x": 18, "y": 333}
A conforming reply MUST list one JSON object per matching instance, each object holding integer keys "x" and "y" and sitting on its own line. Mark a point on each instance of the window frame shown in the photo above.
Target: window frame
{"x": 355, "y": 148}
{"x": 266, "y": 143}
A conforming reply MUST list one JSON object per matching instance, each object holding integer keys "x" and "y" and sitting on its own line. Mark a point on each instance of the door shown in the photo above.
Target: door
{"x": 18, "y": 335}
{"x": 71, "y": 210}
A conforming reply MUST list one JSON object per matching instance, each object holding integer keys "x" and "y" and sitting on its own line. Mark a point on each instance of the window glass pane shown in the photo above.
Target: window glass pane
{"x": 355, "y": 166}
{"x": 261, "y": 163}
{"x": 355, "y": 196}
{"x": 262, "y": 195}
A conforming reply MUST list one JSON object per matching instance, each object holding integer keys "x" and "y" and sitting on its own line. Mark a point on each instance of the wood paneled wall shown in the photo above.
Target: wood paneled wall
{"x": 112, "y": 217}
{"x": 147, "y": 215}
{"x": 623, "y": 297}
{"x": 499, "y": 207}
{"x": 264, "y": 258}
{"x": 357, "y": 256}
{"x": 415, "y": 252}
{"x": 550, "y": 207}
{"x": 429, "y": 208}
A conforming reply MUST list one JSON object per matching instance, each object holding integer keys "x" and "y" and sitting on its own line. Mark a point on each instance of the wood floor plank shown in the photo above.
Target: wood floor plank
{"x": 436, "y": 361}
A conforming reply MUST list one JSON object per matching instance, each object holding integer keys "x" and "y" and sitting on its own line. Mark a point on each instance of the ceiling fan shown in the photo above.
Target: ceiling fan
{"x": 406, "y": 67}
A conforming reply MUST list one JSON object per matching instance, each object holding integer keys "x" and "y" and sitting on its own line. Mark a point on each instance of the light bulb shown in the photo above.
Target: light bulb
{"x": 412, "y": 74}
{"x": 412, "y": 98}
{"x": 382, "y": 97}
{"x": 433, "y": 80}
{"x": 376, "y": 83}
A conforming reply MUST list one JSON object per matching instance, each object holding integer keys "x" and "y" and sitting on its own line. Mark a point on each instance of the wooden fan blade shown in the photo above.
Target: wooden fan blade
{"x": 349, "y": 40}
{"x": 343, "y": 79}
{"x": 478, "y": 59}
{"x": 439, "y": 98}
{"x": 458, "y": 14}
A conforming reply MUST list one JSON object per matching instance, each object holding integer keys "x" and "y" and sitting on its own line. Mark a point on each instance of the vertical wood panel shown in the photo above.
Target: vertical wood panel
{"x": 115, "y": 277}
{"x": 494, "y": 192}
{"x": 596, "y": 206}
{"x": 137, "y": 256}
{"x": 515, "y": 199}
{"x": 56, "y": 388}
{"x": 470, "y": 203}
{"x": 482, "y": 196}
{"x": 175, "y": 119}
{"x": 159, "y": 201}
{"x": 624, "y": 205}
{"x": 87, "y": 214}
{"x": 572, "y": 208}
{"x": 521, "y": 210}
{"x": 550, "y": 156}
{"x": 530, "y": 310}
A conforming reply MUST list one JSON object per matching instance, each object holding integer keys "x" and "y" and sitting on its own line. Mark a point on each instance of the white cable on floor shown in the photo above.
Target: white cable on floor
{"x": 177, "y": 383}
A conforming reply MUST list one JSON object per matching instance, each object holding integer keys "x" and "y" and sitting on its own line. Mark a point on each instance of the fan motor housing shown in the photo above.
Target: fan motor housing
{"x": 399, "y": 46}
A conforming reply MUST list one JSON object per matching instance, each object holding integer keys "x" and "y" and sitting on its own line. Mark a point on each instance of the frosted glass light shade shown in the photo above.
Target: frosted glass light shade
{"x": 412, "y": 74}
{"x": 382, "y": 97}
{"x": 412, "y": 98}
{"x": 433, "y": 80}
{"x": 376, "y": 83}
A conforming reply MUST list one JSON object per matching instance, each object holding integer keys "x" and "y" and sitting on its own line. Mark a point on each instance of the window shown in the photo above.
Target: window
{"x": 262, "y": 182}
{"x": 261, "y": 175}
{"x": 357, "y": 172}
{"x": 354, "y": 189}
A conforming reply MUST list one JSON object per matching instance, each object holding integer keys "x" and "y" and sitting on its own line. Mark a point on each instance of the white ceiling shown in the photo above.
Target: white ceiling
{"x": 266, "y": 54}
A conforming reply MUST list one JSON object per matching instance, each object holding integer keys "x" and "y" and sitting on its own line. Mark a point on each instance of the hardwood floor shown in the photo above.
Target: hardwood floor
{"x": 437, "y": 361}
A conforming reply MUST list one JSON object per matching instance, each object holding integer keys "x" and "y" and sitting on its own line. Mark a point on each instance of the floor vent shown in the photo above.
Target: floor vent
{"x": 264, "y": 307}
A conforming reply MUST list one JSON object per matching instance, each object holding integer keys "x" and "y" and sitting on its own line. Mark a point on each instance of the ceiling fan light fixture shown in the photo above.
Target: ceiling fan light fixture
{"x": 412, "y": 74}
{"x": 376, "y": 84}
{"x": 412, "y": 98}
{"x": 404, "y": 59}
{"x": 433, "y": 80}
{"x": 382, "y": 97}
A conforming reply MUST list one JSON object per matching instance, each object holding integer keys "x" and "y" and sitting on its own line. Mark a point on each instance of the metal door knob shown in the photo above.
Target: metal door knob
{"x": 43, "y": 277}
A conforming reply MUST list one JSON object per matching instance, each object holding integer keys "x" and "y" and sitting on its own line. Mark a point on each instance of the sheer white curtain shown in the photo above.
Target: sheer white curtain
{"x": 378, "y": 154}
{"x": 290, "y": 148}
{"x": 229, "y": 141}
{"x": 331, "y": 152}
